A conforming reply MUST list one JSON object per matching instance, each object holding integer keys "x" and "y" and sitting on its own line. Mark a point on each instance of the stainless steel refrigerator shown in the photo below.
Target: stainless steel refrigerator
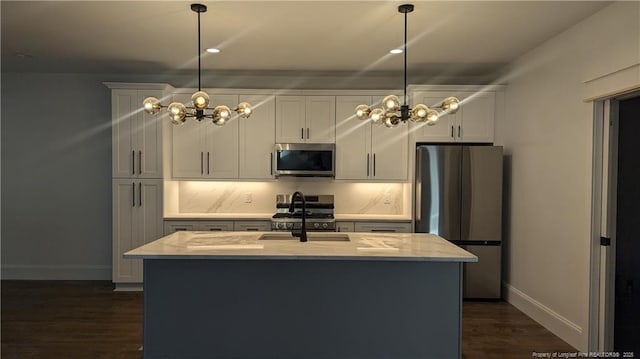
{"x": 459, "y": 198}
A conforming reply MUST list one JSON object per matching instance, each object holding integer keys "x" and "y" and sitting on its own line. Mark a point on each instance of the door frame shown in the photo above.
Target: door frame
{"x": 603, "y": 221}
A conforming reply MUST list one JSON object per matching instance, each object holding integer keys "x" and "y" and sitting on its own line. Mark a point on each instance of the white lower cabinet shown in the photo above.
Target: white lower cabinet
{"x": 345, "y": 226}
{"x": 171, "y": 226}
{"x": 365, "y": 151}
{"x": 137, "y": 219}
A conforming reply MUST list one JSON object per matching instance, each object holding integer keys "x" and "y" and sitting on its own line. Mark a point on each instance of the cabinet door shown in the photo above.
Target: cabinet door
{"x": 478, "y": 112}
{"x": 148, "y": 217}
{"x": 148, "y": 144}
{"x": 137, "y": 219}
{"x": 221, "y": 143}
{"x": 188, "y": 145}
{"x": 446, "y": 130}
{"x": 124, "y": 237}
{"x": 321, "y": 119}
{"x": 290, "y": 119}
{"x": 123, "y": 127}
{"x": 390, "y": 153}
{"x": 353, "y": 139}
{"x": 257, "y": 138}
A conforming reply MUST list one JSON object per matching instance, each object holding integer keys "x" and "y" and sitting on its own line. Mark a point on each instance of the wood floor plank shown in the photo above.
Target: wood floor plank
{"x": 86, "y": 319}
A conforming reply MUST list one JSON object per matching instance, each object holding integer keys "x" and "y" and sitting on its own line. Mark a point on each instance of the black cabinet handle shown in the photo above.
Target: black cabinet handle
{"x": 180, "y": 229}
{"x": 140, "y": 162}
{"x": 374, "y": 165}
{"x": 368, "y": 155}
{"x": 271, "y": 163}
{"x": 201, "y": 163}
{"x": 133, "y": 194}
{"x": 215, "y": 229}
{"x": 459, "y": 130}
{"x": 208, "y": 164}
{"x": 302, "y": 133}
{"x": 133, "y": 162}
{"x": 251, "y": 229}
{"x": 383, "y": 230}
{"x": 308, "y": 133}
{"x": 452, "y": 132}
{"x": 140, "y": 195}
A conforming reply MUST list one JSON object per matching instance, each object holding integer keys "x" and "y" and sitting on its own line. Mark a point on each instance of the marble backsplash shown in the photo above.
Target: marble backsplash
{"x": 185, "y": 197}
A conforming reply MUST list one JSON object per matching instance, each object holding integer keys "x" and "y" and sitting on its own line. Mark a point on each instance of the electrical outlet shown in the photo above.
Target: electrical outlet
{"x": 387, "y": 200}
{"x": 248, "y": 197}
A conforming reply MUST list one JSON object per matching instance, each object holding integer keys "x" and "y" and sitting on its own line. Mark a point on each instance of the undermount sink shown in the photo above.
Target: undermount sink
{"x": 311, "y": 236}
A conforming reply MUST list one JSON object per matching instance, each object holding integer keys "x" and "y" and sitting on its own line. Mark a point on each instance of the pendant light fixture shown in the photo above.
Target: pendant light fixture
{"x": 179, "y": 113}
{"x": 389, "y": 115}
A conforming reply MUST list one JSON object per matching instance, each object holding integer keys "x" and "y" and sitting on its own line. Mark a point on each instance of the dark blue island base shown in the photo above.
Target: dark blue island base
{"x": 271, "y": 308}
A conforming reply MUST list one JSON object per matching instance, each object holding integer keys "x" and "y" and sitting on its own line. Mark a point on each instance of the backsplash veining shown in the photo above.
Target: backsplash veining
{"x": 259, "y": 197}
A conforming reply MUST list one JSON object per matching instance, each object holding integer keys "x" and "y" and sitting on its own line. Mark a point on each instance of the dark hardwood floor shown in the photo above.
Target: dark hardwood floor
{"x": 86, "y": 319}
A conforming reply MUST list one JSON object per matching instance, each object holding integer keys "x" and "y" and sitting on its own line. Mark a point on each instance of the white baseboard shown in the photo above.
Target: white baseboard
{"x": 55, "y": 272}
{"x": 557, "y": 324}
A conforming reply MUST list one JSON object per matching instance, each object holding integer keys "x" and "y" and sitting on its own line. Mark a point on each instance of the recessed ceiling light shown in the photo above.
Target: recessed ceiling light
{"x": 213, "y": 50}
{"x": 396, "y": 51}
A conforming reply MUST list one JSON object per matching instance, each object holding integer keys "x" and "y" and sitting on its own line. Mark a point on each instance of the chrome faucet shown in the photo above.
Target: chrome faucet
{"x": 303, "y": 229}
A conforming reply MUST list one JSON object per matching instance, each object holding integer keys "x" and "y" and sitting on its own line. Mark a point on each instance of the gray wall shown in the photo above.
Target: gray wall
{"x": 56, "y": 177}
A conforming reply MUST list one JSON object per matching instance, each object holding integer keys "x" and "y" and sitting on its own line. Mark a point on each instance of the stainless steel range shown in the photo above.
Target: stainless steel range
{"x": 319, "y": 214}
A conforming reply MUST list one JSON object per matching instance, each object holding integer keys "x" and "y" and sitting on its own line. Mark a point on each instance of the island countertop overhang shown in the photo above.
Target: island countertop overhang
{"x": 248, "y": 245}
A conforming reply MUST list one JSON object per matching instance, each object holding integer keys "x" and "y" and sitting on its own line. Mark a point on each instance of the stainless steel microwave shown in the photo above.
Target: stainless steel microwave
{"x": 304, "y": 159}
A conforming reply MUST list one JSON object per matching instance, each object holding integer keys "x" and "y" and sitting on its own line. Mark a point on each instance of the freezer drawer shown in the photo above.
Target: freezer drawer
{"x": 482, "y": 279}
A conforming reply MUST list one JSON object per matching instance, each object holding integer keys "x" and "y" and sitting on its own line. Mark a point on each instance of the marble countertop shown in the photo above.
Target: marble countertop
{"x": 263, "y": 216}
{"x": 351, "y": 246}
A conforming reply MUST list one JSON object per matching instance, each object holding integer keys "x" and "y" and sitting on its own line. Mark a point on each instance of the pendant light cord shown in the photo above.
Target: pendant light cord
{"x": 199, "y": 89}
{"x": 405, "y": 58}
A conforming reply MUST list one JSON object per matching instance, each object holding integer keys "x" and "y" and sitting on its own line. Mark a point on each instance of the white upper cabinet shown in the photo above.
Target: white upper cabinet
{"x": 305, "y": 119}
{"x": 204, "y": 150}
{"x": 365, "y": 151}
{"x": 474, "y": 121}
{"x": 136, "y": 135}
{"x": 257, "y": 138}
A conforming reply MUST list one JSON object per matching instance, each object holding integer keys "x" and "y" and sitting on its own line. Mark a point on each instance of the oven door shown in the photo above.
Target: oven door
{"x": 304, "y": 159}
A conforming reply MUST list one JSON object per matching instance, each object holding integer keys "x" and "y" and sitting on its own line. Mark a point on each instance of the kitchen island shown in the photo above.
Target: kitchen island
{"x": 267, "y": 295}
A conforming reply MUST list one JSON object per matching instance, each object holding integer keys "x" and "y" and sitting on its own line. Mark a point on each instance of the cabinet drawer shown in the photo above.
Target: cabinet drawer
{"x": 345, "y": 227}
{"x": 260, "y": 226}
{"x": 383, "y": 227}
{"x": 215, "y": 226}
{"x": 175, "y": 226}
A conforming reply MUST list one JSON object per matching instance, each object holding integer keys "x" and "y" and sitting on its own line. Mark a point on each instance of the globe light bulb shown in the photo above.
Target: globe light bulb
{"x": 391, "y": 103}
{"x": 177, "y": 113}
{"x": 391, "y": 120}
{"x": 432, "y": 117}
{"x": 221, "y": 114}
{"x": 200, "y": 100}
{"x": 451, "y": 105}
{"x": 244, "y": 109}
{"x": 377, "y": 115}
{"x": 151, "y": 105}
{"x": 419, "y": 113}
{"x": 362, "y": 112}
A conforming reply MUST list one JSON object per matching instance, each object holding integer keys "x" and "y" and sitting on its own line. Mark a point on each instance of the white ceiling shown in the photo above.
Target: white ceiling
{"x": 460, "y": 37}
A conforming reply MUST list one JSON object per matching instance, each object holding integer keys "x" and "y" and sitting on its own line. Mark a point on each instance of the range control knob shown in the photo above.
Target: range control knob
{"x": 281, "y": 225}
{"x": 324, "y": 225}
{"x": 289, "y": 225}
{"x": 316, "y": 225}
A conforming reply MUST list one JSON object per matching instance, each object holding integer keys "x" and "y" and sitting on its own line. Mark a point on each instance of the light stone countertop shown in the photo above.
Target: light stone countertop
{"x": 247, "y": 245}
{"x": 263, "y": 216}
